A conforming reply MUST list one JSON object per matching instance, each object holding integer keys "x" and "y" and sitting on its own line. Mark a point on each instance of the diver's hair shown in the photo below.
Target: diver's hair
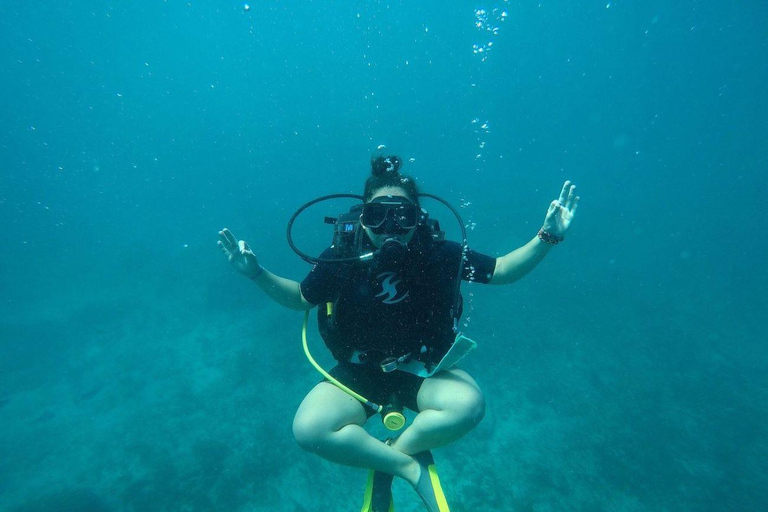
{"x": 385, "y": 172}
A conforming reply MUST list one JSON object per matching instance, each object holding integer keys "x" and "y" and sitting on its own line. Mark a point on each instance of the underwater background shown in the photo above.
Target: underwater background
{"x": 139, "y": 372}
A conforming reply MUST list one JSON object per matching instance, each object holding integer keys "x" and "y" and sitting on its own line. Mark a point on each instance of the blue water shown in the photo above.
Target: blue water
{"x": 138, "y": 372}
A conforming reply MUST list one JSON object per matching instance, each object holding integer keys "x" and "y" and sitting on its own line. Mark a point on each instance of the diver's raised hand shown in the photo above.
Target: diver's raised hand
{"x": 239, "y": 254}
{"x": 561, "y": 211}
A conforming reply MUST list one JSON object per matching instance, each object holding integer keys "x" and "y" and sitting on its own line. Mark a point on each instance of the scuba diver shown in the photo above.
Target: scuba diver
{"x": 389, "y": 304}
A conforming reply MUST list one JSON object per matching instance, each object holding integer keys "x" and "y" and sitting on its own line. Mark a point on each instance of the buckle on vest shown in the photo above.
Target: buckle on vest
{"x": 390, "y": 364}
{"x": 386, "y": 365}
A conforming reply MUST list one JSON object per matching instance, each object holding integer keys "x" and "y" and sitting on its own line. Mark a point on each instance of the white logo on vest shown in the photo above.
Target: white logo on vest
{"x": 389, "y": 288}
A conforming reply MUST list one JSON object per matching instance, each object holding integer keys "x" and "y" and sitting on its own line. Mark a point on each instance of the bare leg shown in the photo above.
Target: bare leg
{"x": 451, "y": 405}
{"x": 330, "y": 423}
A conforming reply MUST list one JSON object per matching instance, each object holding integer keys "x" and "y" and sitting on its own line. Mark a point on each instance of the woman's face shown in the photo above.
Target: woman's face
{"x": 378, "y": 239}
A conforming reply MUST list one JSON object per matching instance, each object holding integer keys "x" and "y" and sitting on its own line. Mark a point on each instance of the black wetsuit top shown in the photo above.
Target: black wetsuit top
{"x": 397, "y": 310}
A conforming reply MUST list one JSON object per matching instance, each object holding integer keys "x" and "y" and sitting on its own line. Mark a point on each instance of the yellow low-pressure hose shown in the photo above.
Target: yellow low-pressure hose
{"x": 365, "y": 401}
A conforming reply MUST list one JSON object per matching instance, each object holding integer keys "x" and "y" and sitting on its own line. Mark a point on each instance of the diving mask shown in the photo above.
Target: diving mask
{"x": 390, "y": 214}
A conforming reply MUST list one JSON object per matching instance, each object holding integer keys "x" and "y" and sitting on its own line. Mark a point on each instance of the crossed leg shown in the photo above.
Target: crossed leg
{"x": 330, "y": 423}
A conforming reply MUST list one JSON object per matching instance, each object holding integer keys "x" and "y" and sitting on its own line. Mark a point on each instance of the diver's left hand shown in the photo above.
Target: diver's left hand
{"x": 561, "y": 211}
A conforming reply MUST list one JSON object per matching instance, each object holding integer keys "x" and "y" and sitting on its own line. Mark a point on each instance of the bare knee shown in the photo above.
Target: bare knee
{"x": 310, "y": 434}
{"x": 471, "y": 407}
{"x": 324, "y": 411}
{"x": 456, "y": 393}
{"x": 478, "y": 410}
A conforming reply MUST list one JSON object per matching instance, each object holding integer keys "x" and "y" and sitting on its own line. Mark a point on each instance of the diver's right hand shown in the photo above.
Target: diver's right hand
{"x": 239, "y": 254}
